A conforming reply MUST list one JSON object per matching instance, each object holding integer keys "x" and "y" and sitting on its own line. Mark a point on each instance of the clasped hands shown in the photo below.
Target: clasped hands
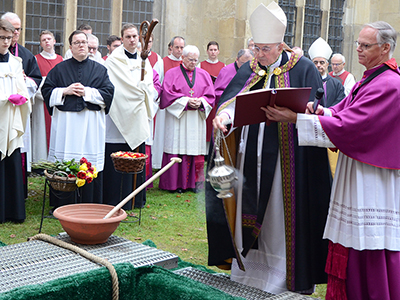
{"x": 194, "y": 103}
{"x": 77, "y": 89}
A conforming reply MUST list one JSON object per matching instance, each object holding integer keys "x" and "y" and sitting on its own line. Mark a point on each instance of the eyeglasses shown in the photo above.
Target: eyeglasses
{"x": 93, "y": 48}
{"x": 321, "y": 62}
{"x": 336, "y": 65}
{"x": 18, "y": 29}
{"x": 365, "y": 46}
{"x": 78, "y": 43}
{"x": 5, "y": 38}
{"x": 263, "y": 49}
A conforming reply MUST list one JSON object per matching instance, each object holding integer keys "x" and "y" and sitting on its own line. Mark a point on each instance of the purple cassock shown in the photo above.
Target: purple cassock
{"x": 176, "y": 85}
{"x": 367, "y": 128}
{"x": 224, "y": 77}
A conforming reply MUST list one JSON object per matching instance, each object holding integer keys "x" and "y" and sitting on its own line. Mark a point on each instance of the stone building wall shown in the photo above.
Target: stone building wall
{"x": 226, "y": 21}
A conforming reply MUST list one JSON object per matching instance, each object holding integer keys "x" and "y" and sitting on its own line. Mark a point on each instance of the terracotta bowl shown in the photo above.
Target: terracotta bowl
{"x": 84, "y": 222}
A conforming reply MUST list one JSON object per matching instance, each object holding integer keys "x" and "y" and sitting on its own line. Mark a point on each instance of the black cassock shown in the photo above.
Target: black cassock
{"x": 12, "y": 199}
{"x": 91, "y": 74}
{"x": 334, "y": 91}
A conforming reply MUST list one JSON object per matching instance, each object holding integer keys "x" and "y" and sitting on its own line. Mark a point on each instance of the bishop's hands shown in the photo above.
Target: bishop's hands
{"x": 280, "y": 114}
{"x": 76, "y": 89}
{"x": 220, "y": 122}
{"x": 194, "y": 103}
{"x": 283, "y": 114}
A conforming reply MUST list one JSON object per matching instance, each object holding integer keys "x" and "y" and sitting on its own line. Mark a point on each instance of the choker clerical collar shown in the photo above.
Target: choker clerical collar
{"x": 130, "y": 55}
{"x": 4, "y": 57}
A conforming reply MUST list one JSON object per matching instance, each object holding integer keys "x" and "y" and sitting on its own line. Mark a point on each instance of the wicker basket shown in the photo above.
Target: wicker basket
{"x": 128, "y": 164}
{"x": 64, "y": 184}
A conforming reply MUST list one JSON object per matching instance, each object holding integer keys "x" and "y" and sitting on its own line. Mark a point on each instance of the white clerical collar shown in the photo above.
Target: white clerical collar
{"x": 48, "y": 55}
{"x": 186, "y": 68}
{"x": 212, "y": 62}
{"x": 324, "y": 76}
{"x": 276, "y": 64}
{"x": 339, "y": 73}
{"x": 174, "y": 58}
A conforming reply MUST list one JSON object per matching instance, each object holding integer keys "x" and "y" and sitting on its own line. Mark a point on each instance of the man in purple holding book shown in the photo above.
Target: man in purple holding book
{"x": 363, "y": 224}
{"x": 188, "y": 97}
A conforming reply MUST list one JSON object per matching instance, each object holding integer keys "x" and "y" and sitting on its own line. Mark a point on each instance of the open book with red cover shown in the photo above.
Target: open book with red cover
{"x": 248, "y": 111}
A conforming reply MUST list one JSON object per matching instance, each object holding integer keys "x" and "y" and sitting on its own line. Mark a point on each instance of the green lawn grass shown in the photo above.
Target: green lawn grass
{"x": 174, "y": 222}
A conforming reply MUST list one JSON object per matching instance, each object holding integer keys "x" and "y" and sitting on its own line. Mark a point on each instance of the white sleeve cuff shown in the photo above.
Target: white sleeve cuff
{"x": 310, "y": 132}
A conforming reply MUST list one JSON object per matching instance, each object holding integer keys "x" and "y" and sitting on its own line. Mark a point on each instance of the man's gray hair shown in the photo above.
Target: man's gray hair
{"x": 246, "y": 52}
{"x": 386, "y": 34}
{"x": 340, "y": 56}
{"x": 9, "y": 16}
{"x": 190, "y": 49}
{"x": 93, "y": 38}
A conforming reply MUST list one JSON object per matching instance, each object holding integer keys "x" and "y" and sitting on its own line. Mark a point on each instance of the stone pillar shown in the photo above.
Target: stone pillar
{"x": 20, "y": 10}
{"x": 70, "y": 21}
{"x": 116, "y": 17}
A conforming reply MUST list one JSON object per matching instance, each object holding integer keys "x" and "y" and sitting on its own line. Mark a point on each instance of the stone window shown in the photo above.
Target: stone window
{"x": 335, "y": 35}
{"x": 96, "y": 13}
{"x": 136, "y": 12}
{"x": 289, "y": 7}
{"x": 312, "y": 23}
{"x": 6, "y": 6}
{"x": 44, "y": 15}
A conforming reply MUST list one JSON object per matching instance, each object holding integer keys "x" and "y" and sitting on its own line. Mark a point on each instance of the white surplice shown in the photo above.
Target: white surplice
{"x": 185, "y": 130}
{"x": 13, "y": 119}
{"x": 74, "y": 134}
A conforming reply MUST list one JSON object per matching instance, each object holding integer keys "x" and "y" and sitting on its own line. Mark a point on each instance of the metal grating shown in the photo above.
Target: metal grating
{"x": 6, "y": 6}
{"x": 335, "y": 35}
{"x": 312, "y": 23}
{"x": 222, "y": 282}
{"x": 289, "y": 7}
{"x": 44, "y": 15}
{"x": 290, "y": 296}
{"x": 117, "y": 250}
{"x": 136, "y": 12}
{"x": 36, "y": 262}
{"x": 96, "y": 13}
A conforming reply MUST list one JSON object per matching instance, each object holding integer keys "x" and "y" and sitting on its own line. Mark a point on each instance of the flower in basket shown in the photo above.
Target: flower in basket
{"x": 83, "y": 171}
{"x": 86, "y": 172}
{"x": 80, "y": 182}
